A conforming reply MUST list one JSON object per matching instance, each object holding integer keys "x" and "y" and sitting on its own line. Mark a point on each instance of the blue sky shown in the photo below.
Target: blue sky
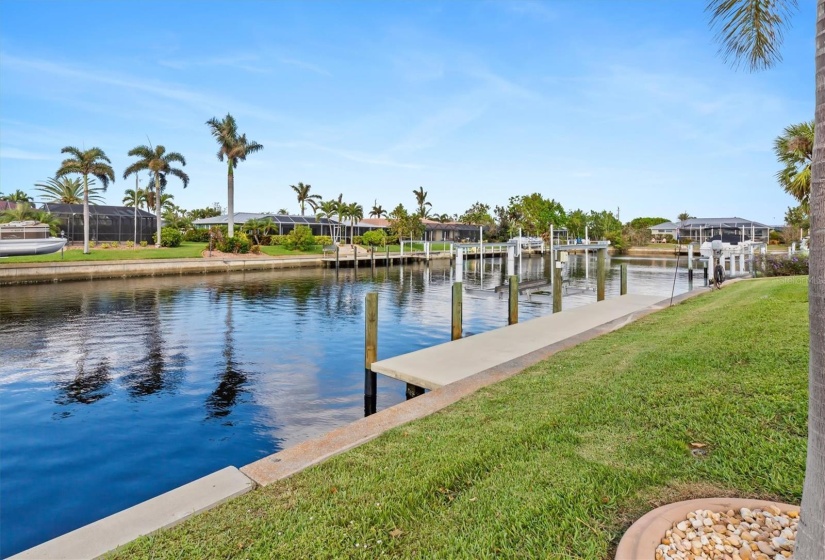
{"x": 598, "y": 104}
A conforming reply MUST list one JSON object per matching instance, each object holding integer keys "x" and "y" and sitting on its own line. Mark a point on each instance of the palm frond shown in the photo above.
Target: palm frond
{"x": 750, "y": 31}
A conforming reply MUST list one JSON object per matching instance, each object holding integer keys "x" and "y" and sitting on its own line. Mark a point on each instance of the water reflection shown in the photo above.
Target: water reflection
{"x": 232, "y": 380}
{"x": 155, "y": 371}
{"x": 87, "y": 385}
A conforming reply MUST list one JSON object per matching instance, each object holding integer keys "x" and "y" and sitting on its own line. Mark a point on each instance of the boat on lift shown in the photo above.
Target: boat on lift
{"x": 28, "y": 238}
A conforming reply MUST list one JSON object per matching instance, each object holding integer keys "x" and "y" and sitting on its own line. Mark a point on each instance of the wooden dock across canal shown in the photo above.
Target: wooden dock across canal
{"x": 449, "y": 362}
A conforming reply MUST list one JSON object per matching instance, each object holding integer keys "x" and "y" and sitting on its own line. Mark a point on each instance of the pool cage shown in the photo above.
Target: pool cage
{"x": 106, "y": 223}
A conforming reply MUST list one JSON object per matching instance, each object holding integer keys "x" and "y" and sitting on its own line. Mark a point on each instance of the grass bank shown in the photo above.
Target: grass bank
{"x": 187, "y": 250}
{"x": 557, "y": 461}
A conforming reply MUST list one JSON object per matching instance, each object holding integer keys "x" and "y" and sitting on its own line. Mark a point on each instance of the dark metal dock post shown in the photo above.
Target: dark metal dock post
{"x": 387, "y": 262}
{"x": 370, "y": 352}
{"x": 512, "y": 317}
{"x": 600, "y": 274}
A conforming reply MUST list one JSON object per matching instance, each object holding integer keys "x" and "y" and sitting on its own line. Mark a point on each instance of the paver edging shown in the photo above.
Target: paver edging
{"x": 641, "y": 539}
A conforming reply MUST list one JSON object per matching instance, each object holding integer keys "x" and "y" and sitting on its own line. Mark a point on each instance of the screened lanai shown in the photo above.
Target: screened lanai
{"x": 106, "y": 223}
{"x": 285, "y": 223}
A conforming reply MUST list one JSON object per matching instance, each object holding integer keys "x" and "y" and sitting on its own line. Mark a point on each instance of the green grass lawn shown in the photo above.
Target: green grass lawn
{"x": 434, "y": 246}
{"x": 187, "y": 249}
{"x": 557, "y": 461}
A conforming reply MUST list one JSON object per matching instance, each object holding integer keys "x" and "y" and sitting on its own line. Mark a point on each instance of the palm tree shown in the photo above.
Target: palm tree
{"x": 684, "y": 216}
{"x": 752, "y": 31}
{"x": 256, "y": 228}
{"x": 134, "y": 198}
{"x": 795, "y": 149}
{"x": 327, "y": 210}
{"x": 89, "y": 162}
{"x": 304, "y": 197}
{"x": 158, "y": 162}
{"x": 377, "y": 211}
{"x": 235, "y": 149}
{"x": 421, "y": 200}
{"x": 17, "y": 196}
{"x": 355, "y": 213}
{"x": 68, "y": 190}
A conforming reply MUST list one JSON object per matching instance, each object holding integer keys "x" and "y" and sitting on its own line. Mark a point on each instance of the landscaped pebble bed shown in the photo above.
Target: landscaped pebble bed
{"x": 749, "y": 534}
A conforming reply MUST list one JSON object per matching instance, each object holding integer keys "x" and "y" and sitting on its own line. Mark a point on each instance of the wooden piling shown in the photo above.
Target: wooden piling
{"x": 337, "y": 250}
{"x": 556, "y": 287}
{"x": 387, "y": 262}
{"x": 512, "y": 316}
{"x": 623, "y": 289}
{"x": 600, "y": 274}
{"x": 370, "y": 352}
{"x": 355, "y": 256}
{"x": 372, "y": 258}
{"x": 457, "y": 310}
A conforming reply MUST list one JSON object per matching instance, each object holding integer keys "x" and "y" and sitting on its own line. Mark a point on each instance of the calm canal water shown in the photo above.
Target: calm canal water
{"x": 112, "y": 392}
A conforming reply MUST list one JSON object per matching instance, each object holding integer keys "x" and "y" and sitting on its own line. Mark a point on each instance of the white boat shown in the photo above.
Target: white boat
{"x": 28, "y": 238}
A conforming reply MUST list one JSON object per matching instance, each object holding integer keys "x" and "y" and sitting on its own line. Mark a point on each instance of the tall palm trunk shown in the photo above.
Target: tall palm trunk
{"x": 85, "y": 214}
{"x": 157, "y": 207}
{"x": 810, "y": 542}
{"x": 136, "y": 209}
{"x": 230, "y": 188}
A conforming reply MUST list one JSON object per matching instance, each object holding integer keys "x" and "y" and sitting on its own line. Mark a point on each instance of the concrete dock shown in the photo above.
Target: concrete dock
{"x": 453, "y": 361}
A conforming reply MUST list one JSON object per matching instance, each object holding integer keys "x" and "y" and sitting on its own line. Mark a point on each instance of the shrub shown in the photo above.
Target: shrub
{"x": 277, "y": 240}
{"x": 255, "y": 249}
{"x": 668, "y": 238}
{"x": 92, "y": 243}
{"x": 115, "y": 244}
{"x": 300, "y": 238}
{"x": 392, "y": 239}
{"x": 130, "y": 243}
{"x": 237, "y": 244}
{"x": 323, "y": 240}
{"x": 375, "y": 238}
{"x": 358, "y": 240}
{"x": 776, "y": 238}
{"x": 169, "y": 237}
{"x": 104, "y": 245}
{"x": 782, "y": 265}
{"x": 197, "y": 235}
{"x": 144, "y": 243}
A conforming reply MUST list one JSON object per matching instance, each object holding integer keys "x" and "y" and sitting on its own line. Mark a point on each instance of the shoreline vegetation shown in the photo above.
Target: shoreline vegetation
{"x": 557, "y": 461}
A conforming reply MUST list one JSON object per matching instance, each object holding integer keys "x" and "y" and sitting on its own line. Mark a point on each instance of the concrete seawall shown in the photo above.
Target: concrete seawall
{"x": 25, "y": 273}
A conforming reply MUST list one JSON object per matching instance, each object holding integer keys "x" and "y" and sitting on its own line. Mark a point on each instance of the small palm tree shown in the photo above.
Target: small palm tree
{"x": 158, "y": 162}
{"x": 684, "y": 216}
{"x": 255, "y": 228}
{"x": 421, "y": 200}
{"x": 89, "y": 162}
{"x": 355, "y": 213}
{"x": 795, "y": 150}
{"x": 327, "y": 210}
{"x": 234, "y": 148}
{"x": 134, "y": 198}
{"x": 304, "y": 197}
{"x": 377, "y": 211}
{"x": 17, "y": 196}
{"x": 68, "y": 190}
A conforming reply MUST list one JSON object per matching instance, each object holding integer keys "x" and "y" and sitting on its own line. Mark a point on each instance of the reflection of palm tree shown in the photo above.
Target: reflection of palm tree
{"x": 87, "y": 386}
{"x": 233, "y": 379}
{"x": 156, "y": 371}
